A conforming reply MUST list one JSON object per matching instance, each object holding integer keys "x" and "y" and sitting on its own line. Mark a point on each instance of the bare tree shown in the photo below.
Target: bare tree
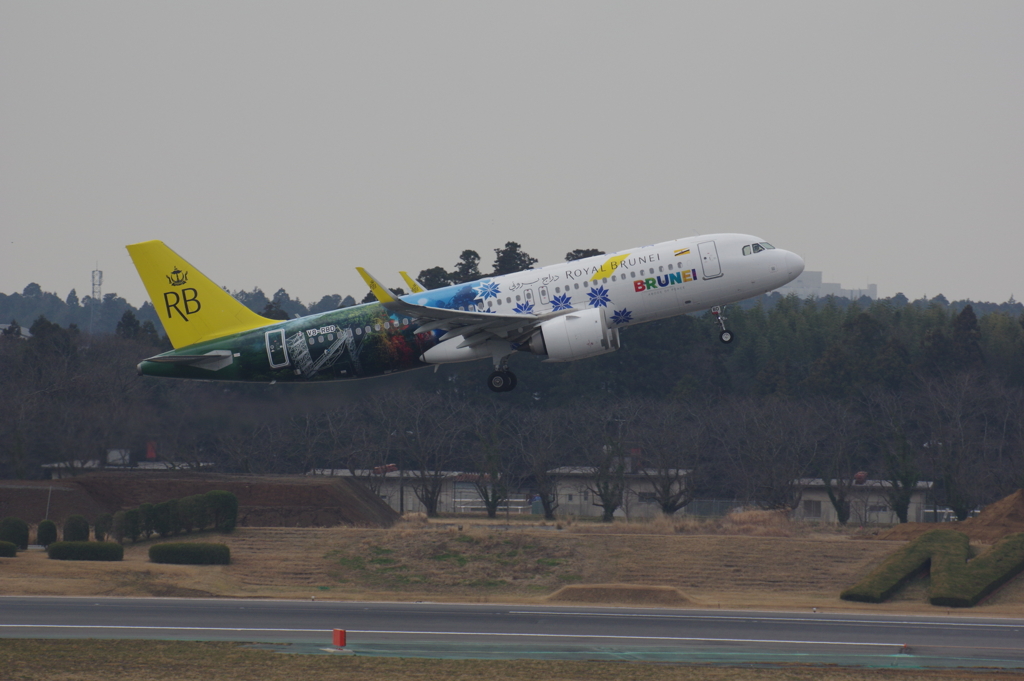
{"x": 893, "y": 422}
{"x": 841, "y": 452}
{"x": 432, "y": 426}
{"x": 773, "y": 445}
{"x": 670, "y": 463}
{"x": 537, "y": 437}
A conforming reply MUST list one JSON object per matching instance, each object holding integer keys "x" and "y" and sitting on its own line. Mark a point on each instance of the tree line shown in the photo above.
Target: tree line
{"x": 904, "y": 390}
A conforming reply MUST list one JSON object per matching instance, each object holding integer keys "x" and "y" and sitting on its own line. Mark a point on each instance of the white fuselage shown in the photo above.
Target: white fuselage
{"x": 652, "y": 282}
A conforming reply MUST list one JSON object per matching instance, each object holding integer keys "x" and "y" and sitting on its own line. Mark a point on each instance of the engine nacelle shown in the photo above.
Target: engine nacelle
{"x": 576, "y": 335}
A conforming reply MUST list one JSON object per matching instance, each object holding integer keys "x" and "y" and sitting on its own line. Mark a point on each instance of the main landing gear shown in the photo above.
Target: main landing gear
{"x": 502, "y": 380}
{"x": 726, "y": 335}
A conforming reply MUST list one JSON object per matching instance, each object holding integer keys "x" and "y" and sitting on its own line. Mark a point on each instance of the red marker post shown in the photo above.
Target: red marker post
{"x": 339, "y": 638}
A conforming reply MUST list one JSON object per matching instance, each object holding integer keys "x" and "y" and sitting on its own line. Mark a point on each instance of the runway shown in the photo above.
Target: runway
{"x": 539, "y": 632}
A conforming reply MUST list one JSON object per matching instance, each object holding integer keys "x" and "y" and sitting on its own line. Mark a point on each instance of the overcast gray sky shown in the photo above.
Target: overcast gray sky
{"x": 282, "y": 144}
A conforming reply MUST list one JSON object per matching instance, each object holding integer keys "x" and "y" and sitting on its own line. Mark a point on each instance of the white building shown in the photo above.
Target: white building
{"x": 810, "y": 285}
{"x": 868, "y": 503}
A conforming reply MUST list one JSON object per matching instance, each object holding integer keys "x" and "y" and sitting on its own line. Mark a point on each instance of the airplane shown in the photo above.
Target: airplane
{"x": 562, "y": 313}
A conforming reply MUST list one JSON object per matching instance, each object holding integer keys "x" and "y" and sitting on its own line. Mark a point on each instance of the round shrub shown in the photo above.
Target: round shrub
{"x": 76, "y": 528}
{"x": 102, "y": 526}
{"x": 147, "y": 520}
{"x": 14, "y": 530}
{"x": 189, "y": 553}
{"x": 224, "y": 509}
{"x": 132, "y": 524}
{"x": 85, "y": 550}
{"x": 8, "y": 550}
{"x": 46, "y": 533}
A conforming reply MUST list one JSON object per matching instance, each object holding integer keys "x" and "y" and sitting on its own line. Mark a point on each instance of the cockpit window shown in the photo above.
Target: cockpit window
{"x": 746, "y": 250}
{"x": 758, "y": 248}
{"x": 767, "y": 245}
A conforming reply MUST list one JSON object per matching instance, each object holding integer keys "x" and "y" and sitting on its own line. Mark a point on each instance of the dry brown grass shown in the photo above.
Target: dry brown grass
{"x": 93, "y": 660}
{"x": 427, "y": 561}
{"x": 750, "y": 523}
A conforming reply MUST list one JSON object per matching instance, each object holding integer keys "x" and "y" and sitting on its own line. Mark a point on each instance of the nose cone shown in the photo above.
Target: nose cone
{"x": 794, "y": 264}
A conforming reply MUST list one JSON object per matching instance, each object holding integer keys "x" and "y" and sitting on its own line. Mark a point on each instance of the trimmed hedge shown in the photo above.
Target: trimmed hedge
{"x": 46, "y": 533}
{"x": 101, "y": 528}
{"x": 955, "y": 582}
{"x": 960, "y": 584}
{"x": 85, "y": 550}
{"x": 902, "y": 566}
{"x": 14, "y": 530}
{"x": 224, "y": 508}
{"x": 190, "y": 553}
{"x": 76, "y": 528}
{"x": 8, "y": 550}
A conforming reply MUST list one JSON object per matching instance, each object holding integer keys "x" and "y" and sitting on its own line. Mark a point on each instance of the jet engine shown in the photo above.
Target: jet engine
{"x": 576, "y": 335}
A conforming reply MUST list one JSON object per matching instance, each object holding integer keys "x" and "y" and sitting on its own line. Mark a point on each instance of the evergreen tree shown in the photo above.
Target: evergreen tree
{"x": 581, "y": 253}
{"x": 434, "y": 277}
{"x": 511, "y": 259}
{"x": 129, "y": 326}
{"x": 467, "y": 268}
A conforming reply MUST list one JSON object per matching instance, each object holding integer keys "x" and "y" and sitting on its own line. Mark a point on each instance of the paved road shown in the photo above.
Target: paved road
{"x": 492, "y": 631}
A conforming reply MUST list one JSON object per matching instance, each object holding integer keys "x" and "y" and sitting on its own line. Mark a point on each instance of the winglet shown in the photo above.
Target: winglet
{"x": 414, "y": 286}
{"x": 378, "y": 289}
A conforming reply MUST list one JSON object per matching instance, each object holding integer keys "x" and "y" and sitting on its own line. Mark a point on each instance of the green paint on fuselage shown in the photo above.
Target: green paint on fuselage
{"x": 323, "y": 347}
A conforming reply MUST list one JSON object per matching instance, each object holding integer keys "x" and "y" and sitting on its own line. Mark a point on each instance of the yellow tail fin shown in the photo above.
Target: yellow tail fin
{"x": 191, "y": 307}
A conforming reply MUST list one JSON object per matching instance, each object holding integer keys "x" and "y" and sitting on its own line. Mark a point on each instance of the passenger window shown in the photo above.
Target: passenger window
{"x": 661, "y": 269}
{"x": 359, "y": 332}
{"x": 499, "y": 301}
{"x": 586, "y": 284}
{"x": 508, "y": 299}
{"x": 633, "y": 274}
{"x": 489, "y": 303}
{"x": 613, "y": 278}
{"x": 367, "y": 329}
{"x": 746, "y": 250}
{"x": 405, "y": 322}
{"x": 376, "y": 327}
{"x": 670, "y": 267}
{"x": 604, "y": 281}
{"x": 312, "y": 340}
{"x": 518, "y": 299}
{"x": 330, "y": 336}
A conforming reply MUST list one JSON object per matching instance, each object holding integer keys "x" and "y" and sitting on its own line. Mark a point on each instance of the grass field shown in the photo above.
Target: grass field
{"x": 92, "y": 660}
{"x": 755, "y": 564}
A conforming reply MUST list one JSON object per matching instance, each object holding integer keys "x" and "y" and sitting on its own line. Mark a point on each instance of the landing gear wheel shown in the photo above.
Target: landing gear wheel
{"x": 501, "y": 381}
{"x": 719, "y": 314}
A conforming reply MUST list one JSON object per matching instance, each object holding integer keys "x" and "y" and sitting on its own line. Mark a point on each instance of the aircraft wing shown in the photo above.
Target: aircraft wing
{"x": 475, "y": 327}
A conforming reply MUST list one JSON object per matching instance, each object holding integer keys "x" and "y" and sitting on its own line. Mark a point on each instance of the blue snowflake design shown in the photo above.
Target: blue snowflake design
{"x": 524, "y": 308}
{"x": 622, "y": 316}
{"x": 559, "y": 303}
{"x": 487, "y": 289}
{"x": 599, "y": 297}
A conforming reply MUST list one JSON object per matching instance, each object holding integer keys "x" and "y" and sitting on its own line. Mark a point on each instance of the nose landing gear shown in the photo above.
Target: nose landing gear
{"x": 726, "y": 335}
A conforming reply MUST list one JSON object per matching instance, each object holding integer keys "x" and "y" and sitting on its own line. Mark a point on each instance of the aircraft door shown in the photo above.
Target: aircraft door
{"x": 545, "y": 298}
{"x": 528, "y": 297}
{"x": 277, "y": 352}
{"x": 709, "y": 260}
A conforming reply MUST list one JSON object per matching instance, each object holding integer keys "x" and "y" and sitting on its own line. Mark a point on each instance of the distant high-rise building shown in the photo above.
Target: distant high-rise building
{"x": 810, "y": 284}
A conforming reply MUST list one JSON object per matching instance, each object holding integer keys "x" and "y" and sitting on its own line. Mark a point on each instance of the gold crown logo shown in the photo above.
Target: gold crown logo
{"x": 177, "y": 277}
